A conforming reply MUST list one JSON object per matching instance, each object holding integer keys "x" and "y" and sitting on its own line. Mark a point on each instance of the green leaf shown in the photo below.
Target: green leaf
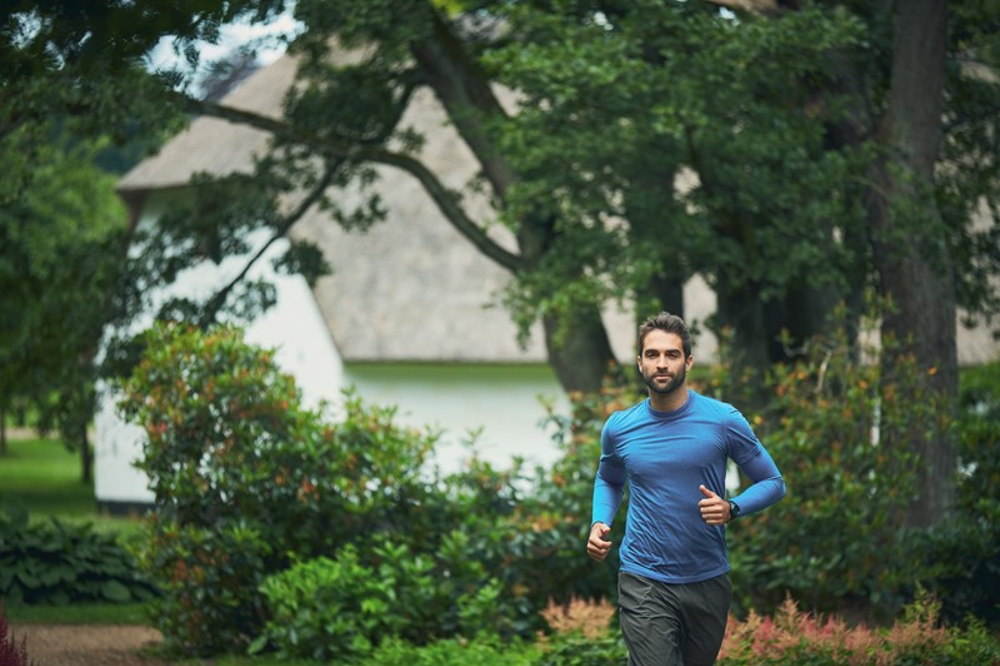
{"x": 112, "y": 590}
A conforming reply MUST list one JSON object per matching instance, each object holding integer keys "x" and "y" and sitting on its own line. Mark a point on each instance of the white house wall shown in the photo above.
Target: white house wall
{"x": 294, "y": 327}
{"x": 505, "y": 401}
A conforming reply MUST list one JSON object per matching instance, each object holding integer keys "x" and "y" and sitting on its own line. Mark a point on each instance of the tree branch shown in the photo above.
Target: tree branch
{"x": 219, "y": 298}
{"x": 465, "y": 92}
{"x": 335, "y": 148}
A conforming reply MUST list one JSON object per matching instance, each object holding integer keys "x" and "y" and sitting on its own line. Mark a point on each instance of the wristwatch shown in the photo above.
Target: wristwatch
{"x": 734, "y": 510}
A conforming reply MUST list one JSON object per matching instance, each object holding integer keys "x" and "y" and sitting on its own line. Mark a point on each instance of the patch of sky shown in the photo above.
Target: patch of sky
{"x": 268, "y": 41}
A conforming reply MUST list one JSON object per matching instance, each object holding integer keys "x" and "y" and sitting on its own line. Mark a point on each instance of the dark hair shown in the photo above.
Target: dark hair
{"x": 669, "y": 323}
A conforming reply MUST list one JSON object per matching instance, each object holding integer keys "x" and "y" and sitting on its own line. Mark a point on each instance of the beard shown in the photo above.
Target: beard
{"x": 672, "y": 384}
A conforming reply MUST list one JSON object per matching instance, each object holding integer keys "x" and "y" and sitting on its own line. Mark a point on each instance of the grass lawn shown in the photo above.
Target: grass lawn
{"x": 96, "y": 613}
{"x": 44, "y": 476}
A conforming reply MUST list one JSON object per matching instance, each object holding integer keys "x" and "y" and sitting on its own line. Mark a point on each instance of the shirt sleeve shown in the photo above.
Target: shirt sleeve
{"x": 609, "y": 484}
{"x": 767, "y": 487}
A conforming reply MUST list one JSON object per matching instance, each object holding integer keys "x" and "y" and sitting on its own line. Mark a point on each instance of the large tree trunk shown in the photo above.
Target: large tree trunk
{"x": 668, "y": 295}
{"x": 581, "y": 355}
{"x": 740, "y": 310}
{"x": 914, "y": 264}
{"x": 652, "y": 213}
{"x": 802, "y": 313}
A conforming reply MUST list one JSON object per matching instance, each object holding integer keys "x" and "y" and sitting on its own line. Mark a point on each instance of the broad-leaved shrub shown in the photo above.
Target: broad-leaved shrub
{"x": 841, "y": 440}
{"x": 57, "y": 563}
{"x": 247, "y": 480}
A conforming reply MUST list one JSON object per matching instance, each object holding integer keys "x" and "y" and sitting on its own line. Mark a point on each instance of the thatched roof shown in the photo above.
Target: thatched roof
{"x": 409, "y": 289}
{"x": 216, "y": 146}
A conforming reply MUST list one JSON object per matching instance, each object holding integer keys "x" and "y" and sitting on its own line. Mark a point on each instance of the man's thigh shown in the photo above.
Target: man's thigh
{"x": 651, "y": 624}
{"x": 704, "y": 613}
{"x": 673, "y": 625}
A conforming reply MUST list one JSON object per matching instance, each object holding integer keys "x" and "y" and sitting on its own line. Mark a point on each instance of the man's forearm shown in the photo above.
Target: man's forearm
{"x": 768, "y": 486}
{"x": 760, "y": 495}
{"x": 607, "y": 499}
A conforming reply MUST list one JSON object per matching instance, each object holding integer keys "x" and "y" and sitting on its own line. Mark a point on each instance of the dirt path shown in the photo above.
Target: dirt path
{"x": 89, "y": 645}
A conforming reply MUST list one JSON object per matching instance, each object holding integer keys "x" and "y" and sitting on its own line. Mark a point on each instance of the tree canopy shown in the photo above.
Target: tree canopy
{"x": 797, "y": 154}
{"x": 62, "y": 251}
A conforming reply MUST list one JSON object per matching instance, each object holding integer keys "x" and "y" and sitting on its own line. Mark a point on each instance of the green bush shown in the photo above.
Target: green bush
{"x": 246, "y": 480}
{"x": 965, "y": 551}
{"x": 555, "y": 517}
{"x": 238, "y": 467}
{"x": 470, "y": 525}
{"x": 346, "y": 606}
{"x": 325, "y": 609}
{"x": 836, "y": 541}
{"x": 210, "y": 578}
{"x": 450, "y": 652}
{"x": 58, "y": 563}
{"x": 575, "y": 650}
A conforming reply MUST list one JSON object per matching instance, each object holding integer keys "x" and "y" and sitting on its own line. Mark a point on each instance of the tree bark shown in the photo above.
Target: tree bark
{"x": 913, "y": 262}
{"x": 86, "y": 457}
{"x": 740, "y": 309}
{"x": 582, "y": 356}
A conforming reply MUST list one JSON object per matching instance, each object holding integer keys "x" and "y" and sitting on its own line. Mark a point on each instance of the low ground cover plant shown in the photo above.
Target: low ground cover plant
{"x": 59, "y": 563}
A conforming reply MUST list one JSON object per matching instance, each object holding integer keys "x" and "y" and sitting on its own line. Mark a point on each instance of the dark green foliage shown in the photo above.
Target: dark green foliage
{"x": 481, "y": 652}
{"x": 323, "y": 608}
{"x": 342, "y": 608}
{"x": 59, "y": 563}
{"x": 248, "y": 482}
{"x": 558, "y": 512}
{"x": 574, "y": 650}
{"x": 470, "y": 578}
{"x": 839, "y": 439}
{"x": 61, "y": 252}
{"x": 965, "y": 551}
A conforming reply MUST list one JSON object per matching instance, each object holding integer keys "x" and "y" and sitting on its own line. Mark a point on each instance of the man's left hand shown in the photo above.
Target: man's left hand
{"x": 714, "y": 509}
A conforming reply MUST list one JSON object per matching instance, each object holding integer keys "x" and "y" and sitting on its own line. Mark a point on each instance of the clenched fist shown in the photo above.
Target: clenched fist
{"x": 599, "y": 543}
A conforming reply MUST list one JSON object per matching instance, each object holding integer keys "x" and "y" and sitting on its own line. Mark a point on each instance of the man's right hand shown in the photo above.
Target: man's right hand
{"x": 599, "y": 543}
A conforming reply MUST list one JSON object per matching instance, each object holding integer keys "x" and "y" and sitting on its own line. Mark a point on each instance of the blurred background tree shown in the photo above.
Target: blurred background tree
{"x": 795, "y": 154}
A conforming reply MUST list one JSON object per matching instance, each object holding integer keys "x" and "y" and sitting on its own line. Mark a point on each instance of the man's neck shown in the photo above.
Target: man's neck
{"x": 669, "y": 402}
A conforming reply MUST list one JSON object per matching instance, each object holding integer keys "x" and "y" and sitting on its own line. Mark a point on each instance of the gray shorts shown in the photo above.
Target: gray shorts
{"x": 673, "y": 625}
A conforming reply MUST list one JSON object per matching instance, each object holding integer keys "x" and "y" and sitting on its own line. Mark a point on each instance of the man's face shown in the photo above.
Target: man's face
{"x": 662, "y": 362}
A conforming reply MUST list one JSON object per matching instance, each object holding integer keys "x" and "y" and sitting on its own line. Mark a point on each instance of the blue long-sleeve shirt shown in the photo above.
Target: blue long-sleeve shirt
{"x": 665, "y": 457}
